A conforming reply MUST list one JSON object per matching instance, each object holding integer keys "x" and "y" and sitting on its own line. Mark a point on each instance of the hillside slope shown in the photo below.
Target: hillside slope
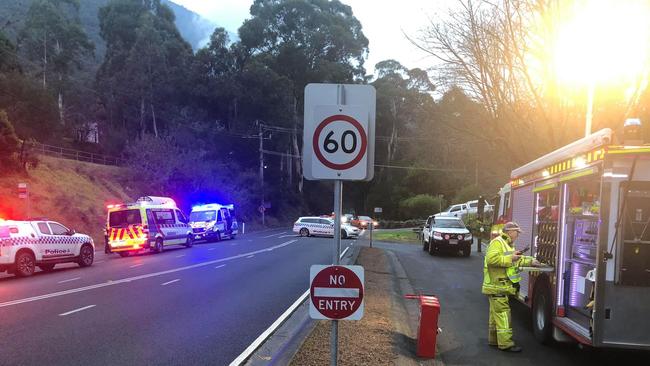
{"x": 71, "y": 192}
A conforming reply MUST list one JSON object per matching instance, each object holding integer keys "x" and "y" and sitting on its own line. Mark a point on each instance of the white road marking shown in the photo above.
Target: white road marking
{"x": 272, "y": 235}
{"x": 167, "y": 283}
{"x": 250, "y": 256}
{"x": 286, "y": 236}
{"x": 217, "y": 267}
{"x": 137, "y": 265}
{"x": 182, "y": 255}
{"x": 135, "y": 278}
{"x": 98, "y": 262}
{"x": 212, "y": 248}
{"x": 70, "y": 280}
{"x": 77, "y": 310}
{"x": 233, "y": 244}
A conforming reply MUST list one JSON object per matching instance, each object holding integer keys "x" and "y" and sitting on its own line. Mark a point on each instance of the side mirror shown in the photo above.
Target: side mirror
{"x": 71, "y": 232}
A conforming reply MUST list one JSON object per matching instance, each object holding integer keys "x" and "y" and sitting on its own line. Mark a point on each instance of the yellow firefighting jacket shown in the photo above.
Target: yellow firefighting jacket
{"x": 499, "y": 271}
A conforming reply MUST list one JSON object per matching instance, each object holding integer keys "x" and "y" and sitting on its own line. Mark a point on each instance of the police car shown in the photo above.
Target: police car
{"x": 213, "y": 222}
{"x": 150, "y": 223}
{"x": 24, "y": 245}
{"x": 319, "y": 226}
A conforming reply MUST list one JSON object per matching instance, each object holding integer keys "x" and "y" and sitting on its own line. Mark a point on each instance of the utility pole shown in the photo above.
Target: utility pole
{"x": 261, "y": 137}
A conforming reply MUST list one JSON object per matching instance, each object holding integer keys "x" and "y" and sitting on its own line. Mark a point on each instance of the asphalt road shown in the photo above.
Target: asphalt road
{"x": 456, "y": 281}
{"x": 197, "y": 306}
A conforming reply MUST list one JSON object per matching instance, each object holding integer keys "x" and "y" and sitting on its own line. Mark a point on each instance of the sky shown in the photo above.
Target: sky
{"x": 384, "y": 24}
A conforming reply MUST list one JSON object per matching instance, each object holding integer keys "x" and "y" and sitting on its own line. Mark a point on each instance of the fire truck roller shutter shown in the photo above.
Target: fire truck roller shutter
{"x": 523, "y": 200}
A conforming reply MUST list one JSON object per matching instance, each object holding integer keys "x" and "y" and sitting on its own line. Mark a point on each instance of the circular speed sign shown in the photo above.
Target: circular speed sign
{"x": 340, "y": 142}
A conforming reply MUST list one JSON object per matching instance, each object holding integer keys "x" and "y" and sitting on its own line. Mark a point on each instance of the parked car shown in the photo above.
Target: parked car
{"x": 458, "y": 210}
{"x": 446, "y": 233}
{"x": 472, "y": 207}
{"x": 319, "y": 226}
{"x": 25, "y": 245}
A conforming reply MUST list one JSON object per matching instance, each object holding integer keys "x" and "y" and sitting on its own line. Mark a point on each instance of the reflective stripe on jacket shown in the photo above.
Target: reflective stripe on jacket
{"x": 499, "y": 272}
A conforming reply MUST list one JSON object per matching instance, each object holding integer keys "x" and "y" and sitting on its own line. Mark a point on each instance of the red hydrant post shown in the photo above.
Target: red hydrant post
{"x": 428, "y": 327}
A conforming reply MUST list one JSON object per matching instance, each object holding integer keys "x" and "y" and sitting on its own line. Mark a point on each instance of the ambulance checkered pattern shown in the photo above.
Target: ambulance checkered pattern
{"x": 131, "y": 232}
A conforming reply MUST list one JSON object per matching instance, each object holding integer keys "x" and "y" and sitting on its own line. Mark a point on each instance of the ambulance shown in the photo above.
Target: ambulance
{"x": 150, "y": 223}
{"x": 214, "y": 222}
{"x": 585, "y": 214}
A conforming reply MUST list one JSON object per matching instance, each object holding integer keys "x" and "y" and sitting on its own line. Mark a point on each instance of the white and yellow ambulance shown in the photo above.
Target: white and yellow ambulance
{"x": 150, "y": 223}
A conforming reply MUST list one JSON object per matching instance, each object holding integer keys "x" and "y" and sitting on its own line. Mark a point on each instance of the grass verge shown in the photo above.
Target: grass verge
{"x": 397, "y": 236}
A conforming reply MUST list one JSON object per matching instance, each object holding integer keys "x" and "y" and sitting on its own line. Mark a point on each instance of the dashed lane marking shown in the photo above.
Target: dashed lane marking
{"x": 70, "y": 280}
{"x": 136, "y": 278}
{"x": 217, "y": 267}
{"x": 136, "y": 265}
{"x": 179, "y": 256}
{"x": 169, "y": 282}
{"x": 77, "y": 310}
{"x": 250, "y": 256}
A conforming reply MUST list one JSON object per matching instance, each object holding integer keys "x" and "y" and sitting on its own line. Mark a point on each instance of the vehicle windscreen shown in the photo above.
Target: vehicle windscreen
{"x": 203, "y": 216}
{"x": 124, "y": 218}
{"x": 364, "y": 218}
{"x": 448, "y": 224}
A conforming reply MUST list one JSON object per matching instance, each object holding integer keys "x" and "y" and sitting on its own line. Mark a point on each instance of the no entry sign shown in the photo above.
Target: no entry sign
{"x": 336, "y": 292}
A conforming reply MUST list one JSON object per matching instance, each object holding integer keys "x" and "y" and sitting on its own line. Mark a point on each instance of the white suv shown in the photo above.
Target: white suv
{"x": 459, "y": 210}
{"x": 27, "y": 244}
{"x": 313, "y": 226}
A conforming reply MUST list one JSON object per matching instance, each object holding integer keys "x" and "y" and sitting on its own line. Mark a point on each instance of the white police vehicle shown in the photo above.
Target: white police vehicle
{"x": 27, "y": 244}
{"x": 319, "y": 226}
{"x": 213, "y": 222}
{"x": 446, "y": 233}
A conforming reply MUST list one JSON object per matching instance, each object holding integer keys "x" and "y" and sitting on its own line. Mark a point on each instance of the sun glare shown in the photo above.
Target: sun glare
{"x": 603, "y": 42}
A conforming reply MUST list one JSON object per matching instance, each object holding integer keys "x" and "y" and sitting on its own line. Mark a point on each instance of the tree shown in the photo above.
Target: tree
{"x": 53, "y": 38}
{"x": 305, "y": 41}
{"x": 9, "y": 145}
{"x": 143, "y": 78}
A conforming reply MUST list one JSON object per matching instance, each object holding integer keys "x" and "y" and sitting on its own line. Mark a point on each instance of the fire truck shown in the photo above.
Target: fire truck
{"x": 585, "y": 211}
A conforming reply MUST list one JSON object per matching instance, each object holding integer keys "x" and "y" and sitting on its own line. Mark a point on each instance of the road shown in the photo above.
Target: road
{"x": 456, "y": 281}
{"x": 202, "y": 305}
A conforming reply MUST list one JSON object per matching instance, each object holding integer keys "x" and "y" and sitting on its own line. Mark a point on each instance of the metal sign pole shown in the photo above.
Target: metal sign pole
{"x": 338, "y": 203}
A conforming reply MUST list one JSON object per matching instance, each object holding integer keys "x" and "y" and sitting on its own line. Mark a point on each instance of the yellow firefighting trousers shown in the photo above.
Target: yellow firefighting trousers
{"x": 500, "y": 328}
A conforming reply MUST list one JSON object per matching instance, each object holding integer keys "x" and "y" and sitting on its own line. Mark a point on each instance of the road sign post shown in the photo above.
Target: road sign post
{"x": 23, "y": 193}
{"x": 338, "y": 145}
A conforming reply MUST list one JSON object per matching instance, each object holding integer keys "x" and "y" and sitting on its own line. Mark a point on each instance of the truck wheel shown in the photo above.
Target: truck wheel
{"x": 46, "y": 267}
{"x": 189, "y": 241}
{"x": 304, "y": 232}
{"x": 542, "y": 326}
{"x": 424, "y": 245}
{"x": 159, "y": 246}
{"x": 218, "y": 237}
{"x": 86, "y": 256}
{"x": 25, "y": 264}
{"x": 124, "y": 254}
{"x": 467, "y": 251}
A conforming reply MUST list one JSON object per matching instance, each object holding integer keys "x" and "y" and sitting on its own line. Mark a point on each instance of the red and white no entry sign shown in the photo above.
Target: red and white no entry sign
{"x": 336, "y": 292}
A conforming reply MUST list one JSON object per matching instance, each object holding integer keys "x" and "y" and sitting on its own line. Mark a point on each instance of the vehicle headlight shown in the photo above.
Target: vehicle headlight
{"x": 437, "y": 235}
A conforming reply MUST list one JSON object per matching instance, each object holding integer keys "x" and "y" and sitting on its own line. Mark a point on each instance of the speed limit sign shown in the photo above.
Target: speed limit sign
{"x": 338, "y": 137}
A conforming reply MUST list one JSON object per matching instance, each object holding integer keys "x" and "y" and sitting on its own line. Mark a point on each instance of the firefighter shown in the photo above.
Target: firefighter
{"x": 500, "y": 280}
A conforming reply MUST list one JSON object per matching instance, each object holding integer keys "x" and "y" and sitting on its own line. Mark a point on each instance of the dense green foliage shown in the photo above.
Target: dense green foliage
{"x": 189, "y": 119}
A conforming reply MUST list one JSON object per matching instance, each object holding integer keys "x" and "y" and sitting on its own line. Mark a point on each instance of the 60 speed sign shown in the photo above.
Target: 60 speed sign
{"x": 339, "y": 142}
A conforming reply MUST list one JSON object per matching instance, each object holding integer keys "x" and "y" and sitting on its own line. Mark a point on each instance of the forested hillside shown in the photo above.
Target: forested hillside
{"x": 190, "y": 121}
